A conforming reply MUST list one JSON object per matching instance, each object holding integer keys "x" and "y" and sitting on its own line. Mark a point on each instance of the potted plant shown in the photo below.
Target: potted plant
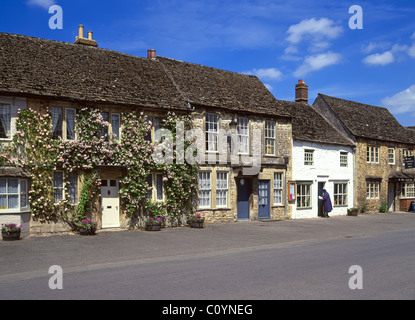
{"x": 87, "y": 227}
{"x": 352, "y": 212}
{"x": 153, "y": 224}
{"x": 10, "y": 231}
{"x": 196, "y": 220}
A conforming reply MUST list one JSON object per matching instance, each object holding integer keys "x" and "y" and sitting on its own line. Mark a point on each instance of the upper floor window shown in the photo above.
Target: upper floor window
{"x": 5, "y": 121}
{"x": 113, "y": 126}
{"x": 343, "y": 159}
{"x": 57, "y": 122}
{"x": 270, "y": 138}
{"x": 212, "y": 132}
{"x": 70, "y": 116}
{"x": 308, "y": 157}
{"x": 372, "y": 154}
{"x": 243, "y": 135}
{"x": 391, "y": 155}
{"x": 63, "y": 129}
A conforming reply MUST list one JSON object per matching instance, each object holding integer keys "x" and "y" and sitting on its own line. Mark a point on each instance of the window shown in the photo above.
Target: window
{"x": 221, "y": 189}
{"x": 372, "y": 190}
{"x": 70, "y": 115}
{"x": 343, "y": 159}
{"x": 104, "y": 131}
{"x": 277, "y": 188}
{"x": 270, "y": 138}
{"x": 303, "y": 195}
{"x": 13, "y": 195}
{"x": 115, "y": 125}
{"x": 308, "y": 157}
{"x": 57, "y": 122}
{"x": 243, "y": 135}
{"x": 155, "y": 189}
{"x": 391, "y": 156}
{"x": 408, "y": 190}
{"x": 372, "y": 154}
{"x": 58, "y": 186}
{"x": 211, "y": 132}
{"x": 73, "y": 187}
{"x": 204, "y": 190}
{"x": 340, "y": 194}
{"x": 5, "y": 122}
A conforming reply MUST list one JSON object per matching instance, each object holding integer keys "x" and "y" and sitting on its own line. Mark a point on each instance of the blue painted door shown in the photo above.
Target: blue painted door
{"x": 264, "y": 199}
{"x": 244, "y": 192}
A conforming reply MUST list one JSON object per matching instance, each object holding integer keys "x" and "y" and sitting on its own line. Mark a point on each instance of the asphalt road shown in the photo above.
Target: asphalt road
{"x": 299, "y": 259}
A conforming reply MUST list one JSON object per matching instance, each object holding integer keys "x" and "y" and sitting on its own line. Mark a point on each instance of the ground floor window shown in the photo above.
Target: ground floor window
{"x": 205, "y": 189}
{"x": 340, "y": 194}
{"x": 372, "y": 190}
{"x": 221, "y": 189}
{"x": 303, "y": 195}
{"x": 278, "y": 188}
{"x": 408, "y": 190}
{"x": 13, "y": 195}
{"x": 155, "y": 189}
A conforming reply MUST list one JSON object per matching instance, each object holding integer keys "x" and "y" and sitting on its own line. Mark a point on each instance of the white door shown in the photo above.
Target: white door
{"x": 110, "y": 203}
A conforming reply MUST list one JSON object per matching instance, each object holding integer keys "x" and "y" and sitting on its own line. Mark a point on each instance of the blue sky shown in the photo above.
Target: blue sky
{"x": 279, "y": 41}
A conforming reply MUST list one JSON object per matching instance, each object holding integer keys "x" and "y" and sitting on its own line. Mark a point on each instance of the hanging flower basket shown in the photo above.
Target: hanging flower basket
{"x": 10, "y": 232}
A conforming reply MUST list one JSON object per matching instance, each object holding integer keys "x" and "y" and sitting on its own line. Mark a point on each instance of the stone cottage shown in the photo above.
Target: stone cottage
{"x": 246, "y": 134}
{"x": 382, "y": 145}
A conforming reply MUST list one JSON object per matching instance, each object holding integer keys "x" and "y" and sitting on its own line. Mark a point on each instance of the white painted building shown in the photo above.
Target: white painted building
{"x": 323, "y": 158}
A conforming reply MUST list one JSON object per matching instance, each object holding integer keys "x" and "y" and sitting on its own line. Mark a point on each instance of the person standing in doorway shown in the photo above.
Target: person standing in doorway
{"x": 327, "y": 206}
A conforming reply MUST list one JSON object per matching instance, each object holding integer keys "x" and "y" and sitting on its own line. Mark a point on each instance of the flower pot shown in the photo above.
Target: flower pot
{"x": 11, "y": 235}
{"x": 86, "y": 232}
{"x": 153, "y": 227}
{"x": 353, "y": 212}
{"x": 196, "y": 224}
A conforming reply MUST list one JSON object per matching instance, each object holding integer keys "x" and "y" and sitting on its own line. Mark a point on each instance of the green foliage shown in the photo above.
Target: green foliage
{"x": 384, "y": 207}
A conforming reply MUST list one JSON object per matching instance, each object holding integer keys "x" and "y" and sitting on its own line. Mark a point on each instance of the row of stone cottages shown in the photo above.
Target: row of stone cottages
{"x": 355, "y": 151}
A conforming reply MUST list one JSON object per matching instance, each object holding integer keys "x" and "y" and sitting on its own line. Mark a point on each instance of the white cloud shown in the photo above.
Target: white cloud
{"x": 411, "y": 51}
{"x": 380, "y": 58}
{"x": 42, "y": 3}
{"x": 266, "y": 74}
{"x": 317, "y": 31}
{"x": 401, "y": 102}
{"x": 317, "y": 62}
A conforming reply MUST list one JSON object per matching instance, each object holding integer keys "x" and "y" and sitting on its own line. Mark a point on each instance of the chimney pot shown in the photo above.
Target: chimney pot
{"x": 301, "y": 92}
{"x": 81, "y": 40}
{"x": 81, "y": 31}
{"x": 89, "y": 35}
{"x": 151, "y": 54}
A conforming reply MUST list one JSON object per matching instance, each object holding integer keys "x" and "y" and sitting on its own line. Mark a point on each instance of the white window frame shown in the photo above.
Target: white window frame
{"x": 340, "y": 195}
{"x": 205, "y": 189}
{"x": 23, "y": 193}
{"x": 155, "y": 190}
{"x": 308, "y": 157}
{"x": 344, "y": 159}
{"x": 222, "y": 189}
{"x": 278, "y": 188}
{"x": 270, "y": 138}
{"x": 391, "y": 156}
{"x": 407, "y": 190}
{"x": 372, "y": 190}
{"x": 304, "y": 192}
{"x": 243, "y": 135}
{"x": 372, "y": 154}
{"x": 212, "y": 132}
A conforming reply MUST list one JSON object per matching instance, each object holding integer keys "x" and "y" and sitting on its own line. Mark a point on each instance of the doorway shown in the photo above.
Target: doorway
{"x": 263, "y": 199}
{"x": 110, "y": 203}
{"x": 320, "y": 202}
{"x": 244, "y": 193}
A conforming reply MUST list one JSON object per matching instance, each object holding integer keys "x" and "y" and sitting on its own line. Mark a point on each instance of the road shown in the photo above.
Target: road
{"x": 307, "y": 260}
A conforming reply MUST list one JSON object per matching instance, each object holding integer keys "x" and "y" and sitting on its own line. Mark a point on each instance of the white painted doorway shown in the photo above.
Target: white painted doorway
{"x": 110, "y": 203}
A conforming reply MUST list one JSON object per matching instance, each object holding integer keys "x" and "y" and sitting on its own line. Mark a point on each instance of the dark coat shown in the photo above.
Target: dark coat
{"x": 327, "y": 202}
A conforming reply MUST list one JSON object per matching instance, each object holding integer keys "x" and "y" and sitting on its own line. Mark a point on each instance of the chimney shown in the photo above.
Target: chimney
{"x": 151, "y": 54}
{"x": 81, "y": 40}
{"x": 301, "y": 92}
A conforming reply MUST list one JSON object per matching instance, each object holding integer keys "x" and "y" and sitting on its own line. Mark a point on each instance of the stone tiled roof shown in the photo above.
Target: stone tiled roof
{"x": 39, "y": 67}
{"x": 212, "y": 87}
{"x": 309, "y": 125}
{"x": 369, "y": 121}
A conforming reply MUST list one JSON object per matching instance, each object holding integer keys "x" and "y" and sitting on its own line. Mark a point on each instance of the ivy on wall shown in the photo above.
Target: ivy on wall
{"x": 34, "y": 148}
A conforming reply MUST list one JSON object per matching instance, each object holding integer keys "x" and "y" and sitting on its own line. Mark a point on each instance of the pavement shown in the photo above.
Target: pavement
{"x": 32, "y": 256}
